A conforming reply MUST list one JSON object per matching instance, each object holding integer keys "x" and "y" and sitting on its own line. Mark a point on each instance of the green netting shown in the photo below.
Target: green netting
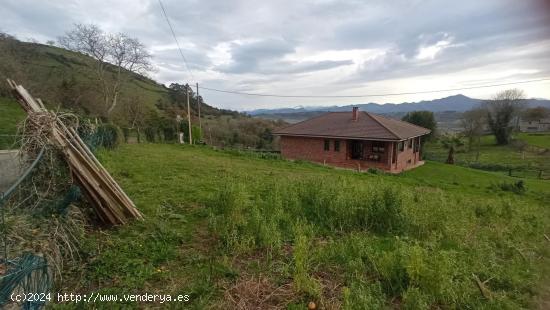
{"x": 27, "y": 274}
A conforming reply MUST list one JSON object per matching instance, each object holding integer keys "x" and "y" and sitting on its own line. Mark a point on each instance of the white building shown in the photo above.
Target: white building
{"x": 535, "y": 126}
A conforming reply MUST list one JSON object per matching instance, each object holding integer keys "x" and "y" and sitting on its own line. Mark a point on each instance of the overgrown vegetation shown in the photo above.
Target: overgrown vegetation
{"x": 239, "y": 230}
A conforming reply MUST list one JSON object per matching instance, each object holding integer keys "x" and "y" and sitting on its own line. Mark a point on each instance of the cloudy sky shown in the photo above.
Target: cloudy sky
{"x": 318, "y": 47}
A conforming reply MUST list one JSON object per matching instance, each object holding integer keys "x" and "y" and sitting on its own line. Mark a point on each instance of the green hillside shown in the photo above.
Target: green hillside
{"x": 66, "y": 80}
{"x": 241, "y": 229}
{"x": 11, "y": 114}
{"x": 43, "y": 69}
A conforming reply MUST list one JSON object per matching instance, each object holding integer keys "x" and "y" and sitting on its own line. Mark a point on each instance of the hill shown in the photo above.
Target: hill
{"x": 66, "y": 80}
{"x": 457, "y": 103}
{"x": 247, "y": 230}
{"x": 53, "y": 74}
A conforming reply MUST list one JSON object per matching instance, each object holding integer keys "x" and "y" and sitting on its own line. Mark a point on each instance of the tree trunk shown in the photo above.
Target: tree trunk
{"x": 113, "y": 104}
{"x": 450, "y": 157}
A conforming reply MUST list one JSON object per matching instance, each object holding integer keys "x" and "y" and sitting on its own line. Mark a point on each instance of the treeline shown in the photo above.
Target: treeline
{"x": 101, "y": 77}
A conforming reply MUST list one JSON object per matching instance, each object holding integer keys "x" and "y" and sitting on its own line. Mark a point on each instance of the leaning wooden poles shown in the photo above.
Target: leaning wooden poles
{"x": 110, "y": 202}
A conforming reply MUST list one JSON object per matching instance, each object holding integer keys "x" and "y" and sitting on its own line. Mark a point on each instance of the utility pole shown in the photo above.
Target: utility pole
{"x": 199, "y": 108}
{"x": 188, "y": 114}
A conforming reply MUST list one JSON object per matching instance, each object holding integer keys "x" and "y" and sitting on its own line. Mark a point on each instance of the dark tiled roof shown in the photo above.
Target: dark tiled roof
{"x": 341, "y": 124}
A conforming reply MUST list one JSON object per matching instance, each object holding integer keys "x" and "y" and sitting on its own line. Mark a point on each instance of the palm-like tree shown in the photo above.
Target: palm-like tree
{"x": 452, "y": 143}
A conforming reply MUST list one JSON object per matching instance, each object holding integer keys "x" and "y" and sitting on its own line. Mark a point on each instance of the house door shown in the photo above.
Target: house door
{"x": 356, "y": 149}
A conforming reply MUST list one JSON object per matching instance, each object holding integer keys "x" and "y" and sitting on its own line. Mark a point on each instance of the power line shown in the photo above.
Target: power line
{"x": 369, "y": 95}
{"x": 175, "y": 39}
{"x": 326, "y": 96}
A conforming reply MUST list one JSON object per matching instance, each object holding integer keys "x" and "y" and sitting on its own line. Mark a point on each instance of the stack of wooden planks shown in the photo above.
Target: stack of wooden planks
{"x": 109, "y": 201}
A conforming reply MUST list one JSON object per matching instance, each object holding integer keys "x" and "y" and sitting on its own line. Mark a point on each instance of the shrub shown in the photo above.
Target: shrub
{"x": 126, "y": 133}
{"x": 515, "y": 187}
{"x": 150, "y": 134}
{"x": 374, "y": 171}
{"x": 108, "y": 136}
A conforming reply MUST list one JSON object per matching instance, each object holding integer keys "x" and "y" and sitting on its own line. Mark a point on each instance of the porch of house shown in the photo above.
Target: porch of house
{"x": 390, "y": 156}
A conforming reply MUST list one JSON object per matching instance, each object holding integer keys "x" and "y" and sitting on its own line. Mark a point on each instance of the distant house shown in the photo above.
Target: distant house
{"x": 535, "y": 126}
{"x": 356, "y": 140}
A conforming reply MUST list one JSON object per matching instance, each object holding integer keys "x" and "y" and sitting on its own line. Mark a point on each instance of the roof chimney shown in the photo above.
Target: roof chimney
{"x": 354, "y": 113}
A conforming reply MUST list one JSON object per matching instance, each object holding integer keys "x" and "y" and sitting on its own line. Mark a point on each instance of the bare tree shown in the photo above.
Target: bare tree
{"x": 501, "y": 111}
{"x": 119, "y": 50}
{"x": 473, "y": 122}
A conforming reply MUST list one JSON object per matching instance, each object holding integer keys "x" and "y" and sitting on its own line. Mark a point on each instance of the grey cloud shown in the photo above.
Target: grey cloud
{"x": 311, "y": 66}
{"x": 481, "y": 32}
{"x": 249, "y": 57}
{"x": 172, "y": 58}
{"x": 265, "y": 57}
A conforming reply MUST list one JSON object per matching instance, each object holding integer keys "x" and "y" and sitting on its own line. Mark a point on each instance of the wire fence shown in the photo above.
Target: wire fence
{"x": 28, "y": 273}
{"x": 519, "y": 171}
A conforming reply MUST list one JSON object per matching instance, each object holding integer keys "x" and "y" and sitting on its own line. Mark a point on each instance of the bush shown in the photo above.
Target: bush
{"x": 126, "y": 133}
{"x": 150, "y": 134}
{"x": 108, "y": 136}
{"x": 374, "y": 171}
{"x": 515, "y": 187}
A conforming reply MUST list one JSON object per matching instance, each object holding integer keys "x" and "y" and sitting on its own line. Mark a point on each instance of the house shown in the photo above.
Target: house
{"x": 355, "y": 140}
{"x": 540, "y": 125}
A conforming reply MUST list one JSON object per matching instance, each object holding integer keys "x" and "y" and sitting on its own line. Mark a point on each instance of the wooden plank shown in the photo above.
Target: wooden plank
{"x": 108, "y": 199}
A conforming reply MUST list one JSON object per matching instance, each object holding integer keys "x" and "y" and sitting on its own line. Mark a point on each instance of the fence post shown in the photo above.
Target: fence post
{"x": 4, "y": 237}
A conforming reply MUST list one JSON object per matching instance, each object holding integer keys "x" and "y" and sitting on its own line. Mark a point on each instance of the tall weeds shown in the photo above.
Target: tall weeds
{"x": 418, "y": 245}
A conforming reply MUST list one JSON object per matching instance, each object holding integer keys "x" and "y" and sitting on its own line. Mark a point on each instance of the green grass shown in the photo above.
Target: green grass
{"x": 225, "y": 227}
{"x": 10, "y": 116}
{"x": 497, "y": 157}
{"x": 539, "y": 139}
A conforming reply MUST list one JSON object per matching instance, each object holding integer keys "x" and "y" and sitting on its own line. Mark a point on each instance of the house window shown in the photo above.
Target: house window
{"x": 416, "y": 144}
{"x": 337, "y": 145}
{"x": 410, "y": 143}
{"x": 401, "y": 146}
{"x": 378, "y": 146}
{"x": 327, "y": 145}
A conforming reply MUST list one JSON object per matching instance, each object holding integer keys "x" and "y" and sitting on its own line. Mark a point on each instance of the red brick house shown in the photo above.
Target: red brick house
{"x": 356, "y": 140}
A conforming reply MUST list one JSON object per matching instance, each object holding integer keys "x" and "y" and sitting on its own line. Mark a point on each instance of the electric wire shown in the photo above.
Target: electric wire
{"x": 176, "y": 39}
{"x": 329, "y": 96}
{"x": 370, "y": 95}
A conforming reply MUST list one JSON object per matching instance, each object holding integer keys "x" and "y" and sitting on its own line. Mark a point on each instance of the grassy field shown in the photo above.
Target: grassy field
{"x": 539, "y": 139}
{"x": 10, "y": 116}
{"x": 500, "y": 157}
{"x": 237, "y": 230}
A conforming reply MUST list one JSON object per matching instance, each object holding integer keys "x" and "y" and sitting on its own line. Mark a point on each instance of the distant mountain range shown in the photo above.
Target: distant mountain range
{"x": 457, "y": 103}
